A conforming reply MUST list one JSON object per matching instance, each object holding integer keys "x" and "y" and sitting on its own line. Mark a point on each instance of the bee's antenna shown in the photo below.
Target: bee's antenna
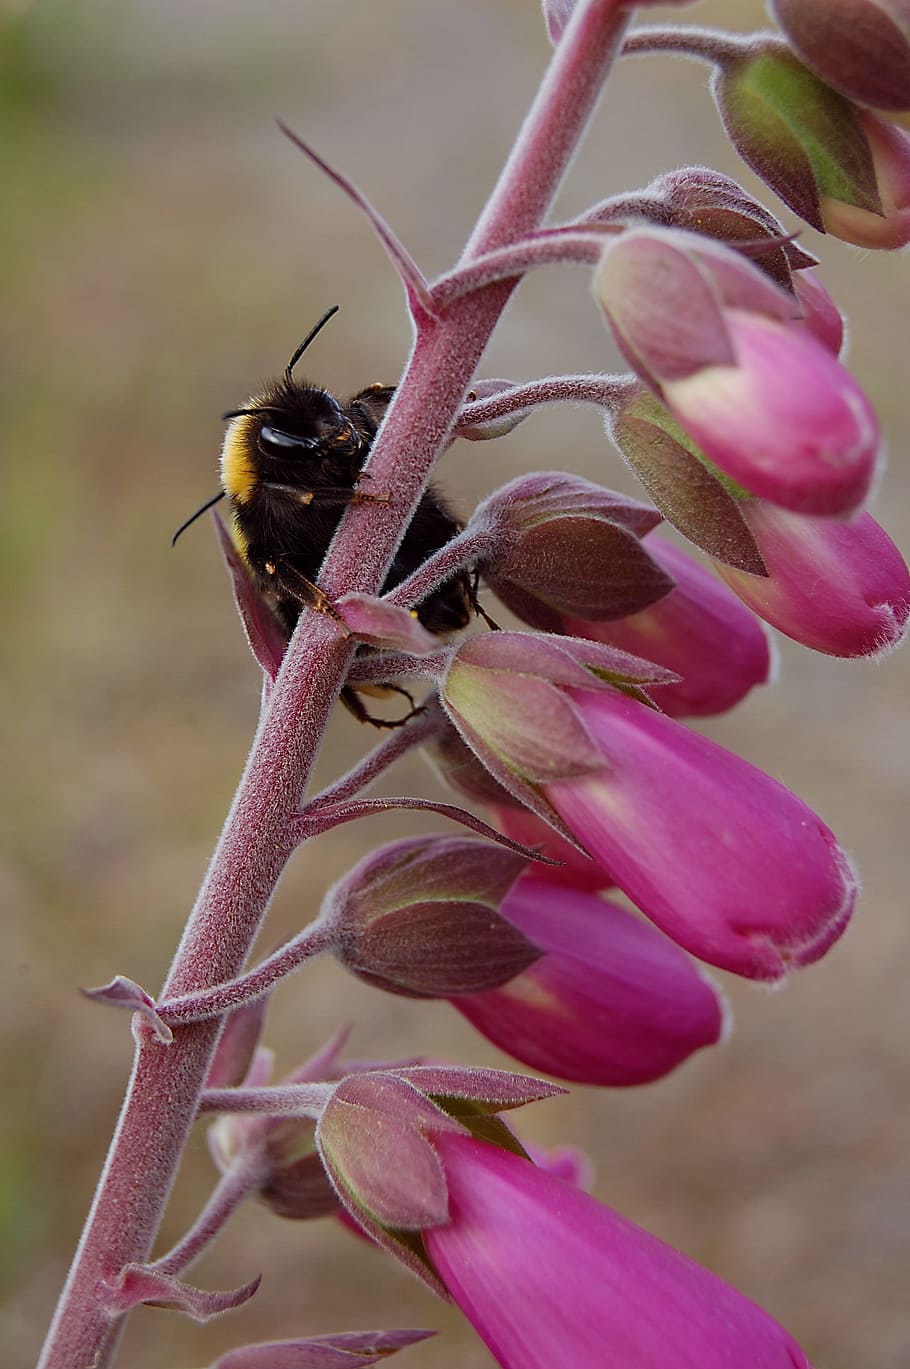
{"x": 198, "y": 514}
{"x": 317, "y": 327}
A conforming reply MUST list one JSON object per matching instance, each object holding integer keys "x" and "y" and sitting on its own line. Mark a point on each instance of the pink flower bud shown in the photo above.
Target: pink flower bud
{"x": 717, "y": 341}
{"x": 548, "y": 1276}
{"x": 377, "y": 1137}
{"x": 786, "y": 421}
{"x": 860, "y": 47}
{"x": 890, "y": 151}
{"x": 841, "y": 588}
{"x": 721, "y": 857}
{"x": 719, "y": 650}
{"x": 795, "y": 132}
{"x": 611, "y": 1002}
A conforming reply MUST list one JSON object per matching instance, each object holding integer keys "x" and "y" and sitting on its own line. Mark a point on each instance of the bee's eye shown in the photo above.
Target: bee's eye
{"x": 281, "y": 444}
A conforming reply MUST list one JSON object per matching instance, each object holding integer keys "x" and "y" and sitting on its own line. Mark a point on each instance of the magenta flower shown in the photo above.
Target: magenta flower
{"x": 719, "y": 342}
{"x": 548, "y": 1276}
{"x": 725, "y": 860}
{"x": 841, "y": 588}
{"x": 611, "y": 1002}
{"x": 699, "y": 630}
{"x": 785, "y": 420}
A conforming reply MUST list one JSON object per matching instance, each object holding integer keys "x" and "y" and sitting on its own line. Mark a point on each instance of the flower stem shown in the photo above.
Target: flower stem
{"x": 167, "y": 1081}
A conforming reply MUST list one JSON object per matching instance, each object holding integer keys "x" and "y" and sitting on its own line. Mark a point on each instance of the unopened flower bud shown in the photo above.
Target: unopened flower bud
{"x": 565, "y": 545}
{"x": 835, "y": 164}
{"x": 419, "y": 917}
{"x": 378, "y": 1139}
{"x": 721, "y": 857}
{"x": 860, "y": 47}
{"x": 700, "y": 630}
{"x": 612, "y": 1002}
{"x": 717, "y": 340}
{"x": 841, "y": 588}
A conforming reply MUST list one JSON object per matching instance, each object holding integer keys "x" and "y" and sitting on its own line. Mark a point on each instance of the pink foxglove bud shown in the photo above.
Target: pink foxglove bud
{"x": 719, "y": 650}
{"x": 419, "y": 917}
{"x": 549, "y": 1276}
{"x": 800, "y": 136}
{"x": 565, "y": 545}
{"x": 841, "y": 588}
{"x": 716, "y": 338}
{"x": 612, "y": 1001}
{"x": 721, "y": 857}
{"x": 378, "y": 1138}
{"x": 860, "y": 47}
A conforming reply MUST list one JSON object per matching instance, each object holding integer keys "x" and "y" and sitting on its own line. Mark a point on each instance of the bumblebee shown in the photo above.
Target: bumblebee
{"x": 290, "y": 465}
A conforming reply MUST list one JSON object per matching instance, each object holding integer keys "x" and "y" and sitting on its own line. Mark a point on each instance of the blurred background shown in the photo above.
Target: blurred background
{"x": 164, "y": 248}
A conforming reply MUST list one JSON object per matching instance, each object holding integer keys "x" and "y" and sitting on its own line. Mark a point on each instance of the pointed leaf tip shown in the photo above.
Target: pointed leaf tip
{"x": 141, "y": 1283}
{"x": 126, "y": 993}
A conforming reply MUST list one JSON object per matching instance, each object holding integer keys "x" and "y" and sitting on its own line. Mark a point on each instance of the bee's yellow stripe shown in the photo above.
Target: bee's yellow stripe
{"x": 238, "y": 470}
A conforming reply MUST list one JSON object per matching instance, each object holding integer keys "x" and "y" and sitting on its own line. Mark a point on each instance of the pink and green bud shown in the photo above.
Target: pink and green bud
{"x": 548, "y": 1276}
{"x": 841, "y": 588}
{"x": 890, "y": 150}
{"x": 564, "y": 545}
{"x": 726, "y": 861}
{"x": 419, "y": 917}
{"x": 801, "y": 137}
{"x": 506, "y": 693}
{"x": 700, "y": 630}
{"x": 768, "y": 406}
{"x": 378, "y": 1139}
{"x": 860, "y": 47}
{"x": 611, "y": 1002}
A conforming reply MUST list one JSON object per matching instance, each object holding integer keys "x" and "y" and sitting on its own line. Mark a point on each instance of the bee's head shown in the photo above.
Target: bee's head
{"x": 297, "y": 422}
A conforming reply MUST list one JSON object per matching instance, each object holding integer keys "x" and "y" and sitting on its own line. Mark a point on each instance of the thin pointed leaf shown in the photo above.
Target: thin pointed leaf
{"x": 409, "y": 273}
{"x": 126, "y": 993}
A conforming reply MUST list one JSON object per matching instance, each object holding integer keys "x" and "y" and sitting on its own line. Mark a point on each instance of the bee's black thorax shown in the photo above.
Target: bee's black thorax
{"x": 290, "y": 467}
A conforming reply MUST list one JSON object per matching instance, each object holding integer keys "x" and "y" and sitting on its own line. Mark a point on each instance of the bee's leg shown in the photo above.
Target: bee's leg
{"x": 350, "y": 697}
{"x": 293, "y": 584}
{"x": 477, "y": 606}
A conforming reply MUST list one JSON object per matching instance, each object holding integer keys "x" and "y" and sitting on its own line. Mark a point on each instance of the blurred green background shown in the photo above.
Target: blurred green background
{"x": 163, "y": 249}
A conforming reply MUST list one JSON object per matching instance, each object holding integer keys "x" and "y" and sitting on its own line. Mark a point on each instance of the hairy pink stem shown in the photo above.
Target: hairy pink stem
{"x": 166, "y": 1083}
{"x": 243, "y": 1178}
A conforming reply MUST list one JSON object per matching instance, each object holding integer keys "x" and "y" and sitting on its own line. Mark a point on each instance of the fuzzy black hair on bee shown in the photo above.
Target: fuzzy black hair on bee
{"x": 290, "y": 465}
